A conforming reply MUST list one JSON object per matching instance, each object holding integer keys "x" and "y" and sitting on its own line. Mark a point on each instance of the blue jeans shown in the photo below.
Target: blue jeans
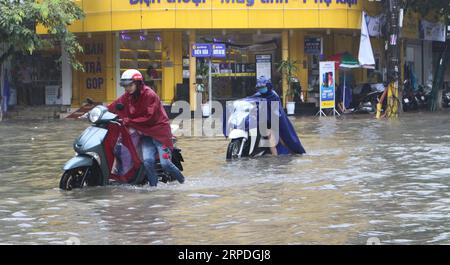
{"x": 150, "y": 147}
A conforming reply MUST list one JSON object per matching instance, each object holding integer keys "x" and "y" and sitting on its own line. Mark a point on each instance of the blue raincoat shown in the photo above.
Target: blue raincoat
{"x": 286, "y": 129}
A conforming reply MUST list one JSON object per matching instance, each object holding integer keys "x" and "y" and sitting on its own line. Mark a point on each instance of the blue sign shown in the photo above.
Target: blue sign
{"x": 219, "y": 50}
{"x": 209, "y": 50}
{"x": 201, "y": 50}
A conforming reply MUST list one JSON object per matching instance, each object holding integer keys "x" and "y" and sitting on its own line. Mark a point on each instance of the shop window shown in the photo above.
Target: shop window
{"x": 142, "y": 51}
{"x": 37, "y": 78}
{"x": 235, "y": 75}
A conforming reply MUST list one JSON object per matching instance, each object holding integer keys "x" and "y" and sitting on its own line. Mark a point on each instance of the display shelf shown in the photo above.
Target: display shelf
{"x": 141, "y": 50}
{"x": 140, "y": 69}
{"x": 149, "y": 60}
{"x": 223, "y": 61}
{"x": 234, "y": 75}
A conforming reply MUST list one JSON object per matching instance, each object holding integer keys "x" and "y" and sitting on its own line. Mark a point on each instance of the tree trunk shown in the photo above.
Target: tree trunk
{"x": 436, "y": 93}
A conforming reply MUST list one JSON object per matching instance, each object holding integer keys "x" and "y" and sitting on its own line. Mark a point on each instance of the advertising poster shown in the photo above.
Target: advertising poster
{"x": 264, "y": 66}
{"x": 327, "y": 85}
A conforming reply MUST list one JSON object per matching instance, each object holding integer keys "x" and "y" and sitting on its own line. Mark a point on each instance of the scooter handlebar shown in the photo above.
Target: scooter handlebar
{"x": 117, "y": 121}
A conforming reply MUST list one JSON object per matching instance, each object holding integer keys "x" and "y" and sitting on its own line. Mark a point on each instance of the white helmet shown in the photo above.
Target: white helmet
{"x": 130, "y": 76}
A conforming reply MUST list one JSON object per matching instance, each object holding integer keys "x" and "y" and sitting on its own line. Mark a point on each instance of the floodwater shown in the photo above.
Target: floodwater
{"x": 361, "y": 179}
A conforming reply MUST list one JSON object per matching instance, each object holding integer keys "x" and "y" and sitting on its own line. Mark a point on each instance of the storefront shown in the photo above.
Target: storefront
{"x": 417, "y": 53}
{"x": 156, "y": 37}
{"x": 35, "y": 80}
{"x": 423, "y": 42}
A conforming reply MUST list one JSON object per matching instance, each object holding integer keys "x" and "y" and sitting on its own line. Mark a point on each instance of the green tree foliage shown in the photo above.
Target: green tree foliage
{"x": 288, "y": 68}
{"x": 18, "y": 20}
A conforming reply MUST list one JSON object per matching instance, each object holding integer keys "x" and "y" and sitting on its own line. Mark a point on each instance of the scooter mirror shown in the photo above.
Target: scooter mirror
{"x": 84, "y": 116}
{"x": 90, "y": 101}
{"x": 119, "y": 106}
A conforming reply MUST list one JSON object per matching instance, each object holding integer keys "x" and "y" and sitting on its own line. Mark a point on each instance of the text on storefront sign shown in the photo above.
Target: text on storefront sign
{"x": 246, "y": 2}
{"x": 93, "y": 68}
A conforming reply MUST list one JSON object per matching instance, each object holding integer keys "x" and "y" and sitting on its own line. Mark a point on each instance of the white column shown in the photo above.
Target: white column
{"x": 1, "y": 80}
{"x": 1, "y": 73}
{"x": 66, "y": 72}
{"x": 428, "y": 62}
{"x": 119, "y": 90}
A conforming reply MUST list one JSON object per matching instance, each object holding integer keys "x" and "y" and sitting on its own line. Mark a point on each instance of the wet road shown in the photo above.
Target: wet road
{"x": 360, "y": 179}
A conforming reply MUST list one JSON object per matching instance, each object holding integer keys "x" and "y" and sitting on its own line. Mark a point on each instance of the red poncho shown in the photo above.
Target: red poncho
{"x": 146, "y": 114}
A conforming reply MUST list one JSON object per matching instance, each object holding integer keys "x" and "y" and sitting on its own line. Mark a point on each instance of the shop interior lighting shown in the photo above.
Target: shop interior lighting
{"x": 125, "y": 37}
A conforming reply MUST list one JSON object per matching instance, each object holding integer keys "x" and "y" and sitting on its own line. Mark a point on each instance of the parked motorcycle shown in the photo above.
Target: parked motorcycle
{"x": 422, "y": 97}
{"x": 369, "y": 103}
{"x": 366, "y": 101}
{"x": 446, "y": 99}
{"x": 107, "y": 153}
{"x": 409, "y": 99}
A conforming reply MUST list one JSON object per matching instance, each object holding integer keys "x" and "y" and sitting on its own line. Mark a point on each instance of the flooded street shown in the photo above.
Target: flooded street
{"x": 360, "y": 179}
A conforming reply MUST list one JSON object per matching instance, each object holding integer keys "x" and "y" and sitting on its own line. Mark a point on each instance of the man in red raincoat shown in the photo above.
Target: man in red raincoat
{"x": 144, "y": 112}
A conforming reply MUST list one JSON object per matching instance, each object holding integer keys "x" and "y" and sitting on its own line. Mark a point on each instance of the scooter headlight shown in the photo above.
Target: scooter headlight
{"x": 95, "y": 114}
{"x": 95, "y": 156}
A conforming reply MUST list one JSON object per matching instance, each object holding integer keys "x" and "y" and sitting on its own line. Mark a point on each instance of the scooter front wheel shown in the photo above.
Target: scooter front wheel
{"x": 233, "y": 149}
{"x": 77, "y": 178}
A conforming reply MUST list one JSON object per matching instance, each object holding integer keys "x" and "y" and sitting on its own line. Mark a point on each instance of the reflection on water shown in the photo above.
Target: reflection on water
{"x": 361, "y": 178}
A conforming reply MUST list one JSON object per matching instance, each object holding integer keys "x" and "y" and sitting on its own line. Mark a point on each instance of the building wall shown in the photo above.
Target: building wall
{"x": 334, "y": 43}
{"x": 116, "y": 15}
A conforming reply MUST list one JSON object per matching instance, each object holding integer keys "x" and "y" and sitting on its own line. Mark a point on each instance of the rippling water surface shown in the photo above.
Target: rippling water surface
{"x": 360, "y": 179}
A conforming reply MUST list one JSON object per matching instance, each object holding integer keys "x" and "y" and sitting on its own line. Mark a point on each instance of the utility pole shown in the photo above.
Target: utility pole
{"x": 393, "y": 55}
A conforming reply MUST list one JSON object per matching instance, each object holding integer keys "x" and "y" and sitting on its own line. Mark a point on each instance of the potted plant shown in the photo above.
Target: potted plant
{"x": 202, "y": 86}
{"x": 288, "y": 68}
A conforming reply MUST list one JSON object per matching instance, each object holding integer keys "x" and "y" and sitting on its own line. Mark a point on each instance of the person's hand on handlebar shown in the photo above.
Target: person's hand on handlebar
{"x": 125, "y": 121}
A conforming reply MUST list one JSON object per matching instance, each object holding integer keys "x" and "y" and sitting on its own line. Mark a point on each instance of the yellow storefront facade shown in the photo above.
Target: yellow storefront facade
{"x": 156, "y": 37}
